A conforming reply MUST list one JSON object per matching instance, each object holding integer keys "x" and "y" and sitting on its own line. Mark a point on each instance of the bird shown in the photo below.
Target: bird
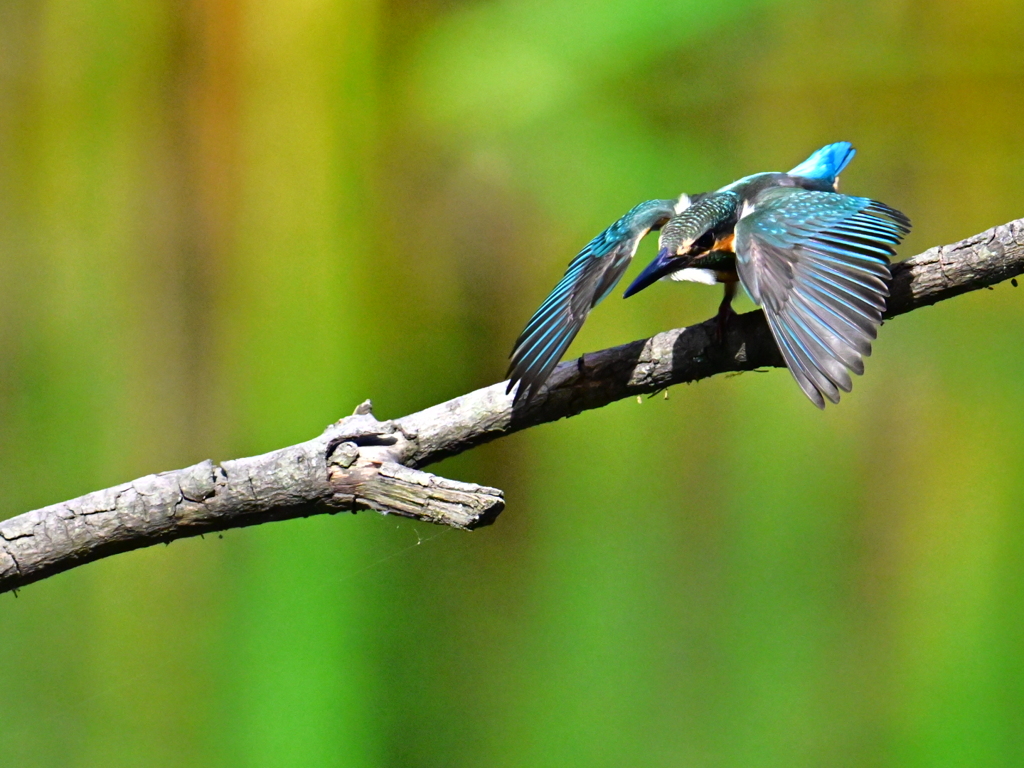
{"x": 815, "y": 260}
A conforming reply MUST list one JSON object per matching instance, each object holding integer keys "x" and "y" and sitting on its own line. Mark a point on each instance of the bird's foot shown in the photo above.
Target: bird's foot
{"x": 722, "y": 320}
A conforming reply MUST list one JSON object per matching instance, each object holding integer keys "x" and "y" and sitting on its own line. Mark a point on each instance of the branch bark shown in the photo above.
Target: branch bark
{"x": 360, "y": 463}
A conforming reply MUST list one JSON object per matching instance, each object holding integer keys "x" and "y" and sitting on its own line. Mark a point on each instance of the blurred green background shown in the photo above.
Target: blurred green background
{"x": 223, "y": 224}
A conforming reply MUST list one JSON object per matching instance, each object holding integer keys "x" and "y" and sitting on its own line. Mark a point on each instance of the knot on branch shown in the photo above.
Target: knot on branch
{"x": 390, "y": 488}
{"x": 364, "y": 470}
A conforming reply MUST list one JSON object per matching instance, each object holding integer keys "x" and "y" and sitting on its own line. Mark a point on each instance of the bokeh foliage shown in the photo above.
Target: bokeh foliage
{"x": 223, "y": 224}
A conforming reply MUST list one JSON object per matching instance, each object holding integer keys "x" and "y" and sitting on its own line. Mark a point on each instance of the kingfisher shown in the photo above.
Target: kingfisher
{"x": 815, "y": 260}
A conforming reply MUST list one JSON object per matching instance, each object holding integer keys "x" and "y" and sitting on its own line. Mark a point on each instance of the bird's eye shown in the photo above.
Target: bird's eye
{"x": 703, "y": 243}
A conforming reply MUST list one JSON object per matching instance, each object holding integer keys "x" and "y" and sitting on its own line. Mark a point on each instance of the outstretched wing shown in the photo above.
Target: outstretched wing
{"x": 818, "y": 264}
{"x": 589, "y": 278}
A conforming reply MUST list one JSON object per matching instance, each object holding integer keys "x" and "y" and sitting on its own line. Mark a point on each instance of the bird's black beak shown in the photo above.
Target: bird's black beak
{"x": 665, "y": 264}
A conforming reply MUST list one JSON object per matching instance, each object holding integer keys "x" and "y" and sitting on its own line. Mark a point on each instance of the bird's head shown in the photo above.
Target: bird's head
{"x": 704, "y": 226}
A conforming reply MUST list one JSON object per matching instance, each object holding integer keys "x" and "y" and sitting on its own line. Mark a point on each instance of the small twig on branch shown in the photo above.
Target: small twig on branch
{"x": 361, "y": 463}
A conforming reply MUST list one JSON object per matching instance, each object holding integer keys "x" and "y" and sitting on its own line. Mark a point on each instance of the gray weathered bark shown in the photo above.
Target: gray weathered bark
{"x": 361, "y": 463}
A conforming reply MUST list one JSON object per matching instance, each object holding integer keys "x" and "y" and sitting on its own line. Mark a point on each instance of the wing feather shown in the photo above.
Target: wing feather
{"x": 818, "y": 264}
{"x": 588, "y": 279}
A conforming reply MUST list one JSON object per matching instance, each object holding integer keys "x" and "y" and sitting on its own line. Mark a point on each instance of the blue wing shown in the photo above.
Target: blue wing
{"x": 827, "y": 163}
{"x": 589, "y": 278}
{"x": 818, "y": 264}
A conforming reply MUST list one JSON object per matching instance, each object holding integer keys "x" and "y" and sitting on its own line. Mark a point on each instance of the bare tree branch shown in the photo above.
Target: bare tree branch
{"x": 361, "y": 463}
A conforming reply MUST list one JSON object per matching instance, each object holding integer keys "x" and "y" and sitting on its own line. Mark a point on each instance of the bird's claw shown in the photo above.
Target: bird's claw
{"x": 722, "y": 320}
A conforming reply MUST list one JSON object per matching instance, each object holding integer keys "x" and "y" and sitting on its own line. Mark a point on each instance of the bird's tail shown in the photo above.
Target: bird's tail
{"x": 827, "y": 163}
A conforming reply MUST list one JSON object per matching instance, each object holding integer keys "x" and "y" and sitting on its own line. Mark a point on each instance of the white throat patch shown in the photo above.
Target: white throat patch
{"x": 693, "y": 275}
